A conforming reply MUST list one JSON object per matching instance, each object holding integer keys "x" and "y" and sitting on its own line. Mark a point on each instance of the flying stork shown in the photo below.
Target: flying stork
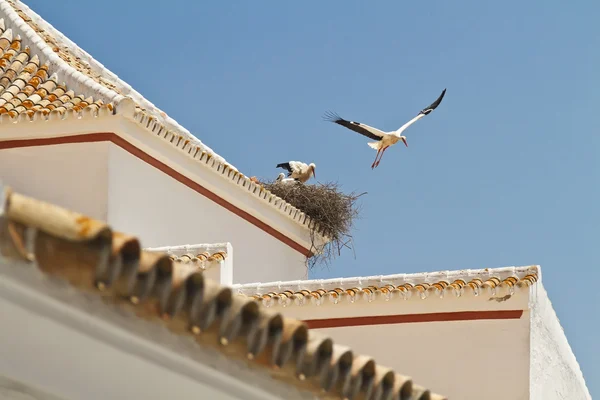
{"x": 298, "y": 170}
{"x": 383, "y": 139}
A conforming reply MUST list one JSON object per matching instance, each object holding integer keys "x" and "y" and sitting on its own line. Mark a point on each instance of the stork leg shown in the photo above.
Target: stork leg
{"x": 376, "y": 156}
{"x": 383, "y": 151}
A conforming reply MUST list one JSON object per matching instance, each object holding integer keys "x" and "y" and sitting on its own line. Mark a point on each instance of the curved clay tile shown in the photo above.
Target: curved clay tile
{"x": 90, "y": 256}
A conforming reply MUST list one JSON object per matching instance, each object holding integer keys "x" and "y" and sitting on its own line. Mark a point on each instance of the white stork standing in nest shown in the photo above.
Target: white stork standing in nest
{"x": 298, "y": 170}
{"x": 383, "y": 139}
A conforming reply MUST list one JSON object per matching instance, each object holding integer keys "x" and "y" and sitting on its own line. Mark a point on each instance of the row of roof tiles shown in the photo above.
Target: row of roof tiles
{"x": 201, "y": 257}
{"x": 92, "y": 257}
{"x": 26, "y": 85}
{"x": 61, "y": 50}
{"x": 29, "y": 90}
{"x": 484, "y": 282}
{"x": 82, "y": 70}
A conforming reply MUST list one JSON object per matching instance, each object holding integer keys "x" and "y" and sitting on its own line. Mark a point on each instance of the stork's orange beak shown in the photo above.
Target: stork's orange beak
{"x": 314, "y": 173}
{"x": 405, "y": 142}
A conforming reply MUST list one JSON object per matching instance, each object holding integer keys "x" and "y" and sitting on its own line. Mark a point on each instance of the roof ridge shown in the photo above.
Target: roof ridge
{"x": 80, "y": 81}
{"x": 77, "y": 80}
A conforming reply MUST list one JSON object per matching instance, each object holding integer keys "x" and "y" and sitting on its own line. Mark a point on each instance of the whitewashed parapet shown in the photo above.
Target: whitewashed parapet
{"x": 498, "y": 283}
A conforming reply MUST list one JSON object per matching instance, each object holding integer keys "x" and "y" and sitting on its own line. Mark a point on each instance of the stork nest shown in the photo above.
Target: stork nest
{"x": 332, "y": 213}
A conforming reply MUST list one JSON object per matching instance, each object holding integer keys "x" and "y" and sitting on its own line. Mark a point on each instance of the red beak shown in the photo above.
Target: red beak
{"x": 405, "y": 142}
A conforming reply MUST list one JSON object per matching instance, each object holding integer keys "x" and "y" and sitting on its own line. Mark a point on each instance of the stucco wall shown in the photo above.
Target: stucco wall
{"x": 467, "y": 360}
{"x": 555, "y": 373}
{"x": 74, "y": 176}
{"x": 11, "y": 389}
{"x": 163, "y": 212}
{"x": 71, "y": 365}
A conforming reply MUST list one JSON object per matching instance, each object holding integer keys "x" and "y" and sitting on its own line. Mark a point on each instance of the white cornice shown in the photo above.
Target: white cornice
{"x": 151, "y": 120}
{"x": 256, "y": 201}
{"x": 385, "y": 287}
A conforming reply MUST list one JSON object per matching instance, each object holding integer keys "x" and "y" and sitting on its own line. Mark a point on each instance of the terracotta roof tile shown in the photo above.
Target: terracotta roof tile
{"x": 191, "y": 259}
{"x": 39, "y": 94}
{"x": 405, "y": 286}
{"x": 199, "y": 258}
{"x": 94, "y": 258}
{"x": 63, "y": 51}
{"x": 26, "y": 86}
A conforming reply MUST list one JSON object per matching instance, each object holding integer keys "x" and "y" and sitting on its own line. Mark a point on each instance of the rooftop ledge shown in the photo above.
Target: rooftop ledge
{"x": 96, "y": 96}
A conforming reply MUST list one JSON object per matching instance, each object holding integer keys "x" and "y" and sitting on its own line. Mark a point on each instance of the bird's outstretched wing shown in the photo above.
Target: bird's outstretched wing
{"x": 365, "y": 130}
{"x": 293, "y": 167}
{"x": 423, "y": 113}
{"x": 285, "y": 166}
{"x": 433, "y": 105}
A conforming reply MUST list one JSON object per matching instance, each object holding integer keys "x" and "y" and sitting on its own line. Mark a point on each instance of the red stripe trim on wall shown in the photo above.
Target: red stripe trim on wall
{"x": 413, "y": 318}
{"x": 130, "y": 148}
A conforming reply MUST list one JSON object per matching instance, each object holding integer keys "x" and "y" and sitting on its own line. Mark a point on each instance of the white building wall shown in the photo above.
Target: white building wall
{"x": 146, "y": 202}
{"x": 74, "y": 366}
{"x": 555, "y": 373}
{"x": 77, "y": 176}
{"x": 467, "y": 360}
{"x": 11, "y": 389}
{"x": 74, "y": 176}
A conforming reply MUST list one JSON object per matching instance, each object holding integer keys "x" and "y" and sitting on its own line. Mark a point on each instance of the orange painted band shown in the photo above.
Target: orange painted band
{"x": 130, "y": 148}
{"x": 413, "y": 318}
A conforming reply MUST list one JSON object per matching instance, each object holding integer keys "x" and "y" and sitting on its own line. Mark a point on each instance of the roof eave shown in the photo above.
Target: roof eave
{"x": 27, "y": 288}
{"x": 153, "y": 140}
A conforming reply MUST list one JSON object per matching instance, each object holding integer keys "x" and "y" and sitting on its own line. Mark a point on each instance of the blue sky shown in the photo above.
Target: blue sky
{"x": 505, "y": 172}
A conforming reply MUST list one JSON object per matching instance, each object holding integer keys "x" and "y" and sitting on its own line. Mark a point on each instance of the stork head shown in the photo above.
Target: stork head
{"x": 280, "y": 177}
{"x": 312, "y": 168}
{"x": 403, "y": 138}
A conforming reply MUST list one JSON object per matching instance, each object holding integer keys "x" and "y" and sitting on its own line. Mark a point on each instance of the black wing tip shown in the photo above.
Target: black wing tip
{"x": 286, "y": 166}
{"x": 331, "y": 116}
{"x": 435, "y": 104}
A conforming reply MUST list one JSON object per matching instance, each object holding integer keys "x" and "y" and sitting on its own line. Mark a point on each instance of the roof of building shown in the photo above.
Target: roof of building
{"x": 420, "y": 285}
{"x": 92, "y": 257}
{"x": 202, "y": 256}
{"x": 45, "y": 76}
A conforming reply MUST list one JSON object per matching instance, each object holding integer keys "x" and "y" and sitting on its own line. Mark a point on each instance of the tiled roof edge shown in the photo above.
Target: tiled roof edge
{"x": 226, "y": 170}
{"x": 195, "y": 152}
{"x": 488, "y": 281}
{"x": 154, "y": 120}
{"x": 70, "y": 114}
{"x": 122, "y": 86}
{"x": 205, "y": 255}
{"x": 189, "y": 248}
{"x": 92, "y": 257}
{"x": 75, "y": 79}
{"x": 414, "y": 277}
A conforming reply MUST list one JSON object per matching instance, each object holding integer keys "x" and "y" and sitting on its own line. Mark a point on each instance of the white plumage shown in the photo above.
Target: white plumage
{"x": 298, "y": 170}
{"x": 282, "y": 179}
{"x": 383, "y": 140}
